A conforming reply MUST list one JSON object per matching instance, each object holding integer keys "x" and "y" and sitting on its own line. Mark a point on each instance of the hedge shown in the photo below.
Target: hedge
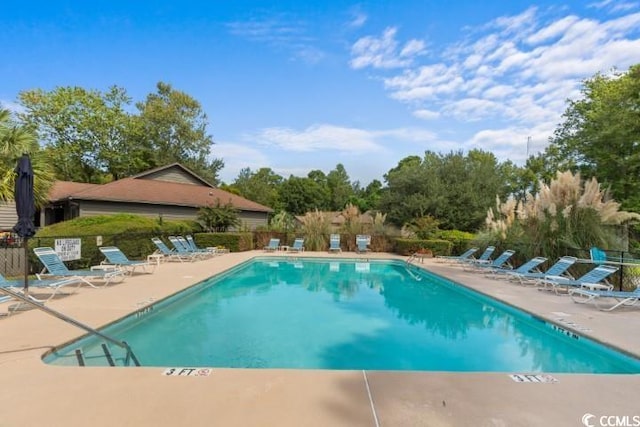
{"x": 131, "y": 233}
{"x": 461, "y": 240}
{"x": 235, "y": 242}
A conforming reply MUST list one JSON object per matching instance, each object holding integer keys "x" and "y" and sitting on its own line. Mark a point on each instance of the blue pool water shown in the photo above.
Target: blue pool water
{"x": 329, "y": 314}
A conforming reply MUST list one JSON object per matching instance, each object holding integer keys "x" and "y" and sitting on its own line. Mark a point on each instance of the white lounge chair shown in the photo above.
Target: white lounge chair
{"x": 559, "y": 269}
{"x": 298, "y": 245}
{"x": 502, "y": 262}
{"x": 48, "y": 284}
{"x": 362, "y": 243}
{"x": 334, "y": 243}
{"x": 525, "y": 268}
{"x": 114, "y": 256}
{"x": 484, "y": 258}
{"x": 595, "y": 279}
{"x": 457, "y": 258}
{"x": 192, "y": 244}
{"x": 621, "y": 298}
{"x": 274, "y": 245}
{"x": 54, "y": 266}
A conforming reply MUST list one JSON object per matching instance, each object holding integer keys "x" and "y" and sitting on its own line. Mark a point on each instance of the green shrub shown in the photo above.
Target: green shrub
{"x": 235, "y": 242}
{"x": 410, "y": 246}
{"x": 131, "y": 233}
{"x": 461, "y": 240}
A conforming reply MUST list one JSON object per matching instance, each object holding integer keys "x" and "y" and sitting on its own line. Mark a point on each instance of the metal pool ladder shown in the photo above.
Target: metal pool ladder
{"x": 130, "y": 356}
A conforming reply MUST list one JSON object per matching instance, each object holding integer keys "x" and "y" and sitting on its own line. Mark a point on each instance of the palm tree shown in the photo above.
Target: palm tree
{"x": 14, "y": 141}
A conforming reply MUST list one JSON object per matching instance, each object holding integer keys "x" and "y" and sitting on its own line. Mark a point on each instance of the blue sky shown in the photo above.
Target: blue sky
{"x": 302, "y": 85}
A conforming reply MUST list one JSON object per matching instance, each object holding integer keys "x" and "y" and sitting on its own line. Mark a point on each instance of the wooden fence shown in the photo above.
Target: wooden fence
{"x": 11, "y": 261}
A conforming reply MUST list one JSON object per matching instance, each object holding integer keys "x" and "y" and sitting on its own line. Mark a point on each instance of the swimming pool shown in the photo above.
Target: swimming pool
{"x": 341, "y": 314}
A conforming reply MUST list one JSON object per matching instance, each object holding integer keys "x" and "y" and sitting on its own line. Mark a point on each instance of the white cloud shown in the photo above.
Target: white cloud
{"x": 471, "y": 109}
{"x": 270, "y": 30}
{"x": 614, "y": 6}
{"x": 555, "y": 29}
{"x": 516, "y": 70}
{"x": 425, "y": 114}
{"x": 319, "y": 137}
{"x": 600, "y": 4}
{"x": 367, "y": 154}
{"x": 499, "y": 91}
{"x": 623, "y": 7}
{"x": 280, "y": 33}
{"x": 337, "y": 139}
{"x": 359, "y": 19}
{"x": 518, "y": 24}
{"x": 384, "y": 52}
{"x": 512, "y": 143}
{"x": 237, "y": 157}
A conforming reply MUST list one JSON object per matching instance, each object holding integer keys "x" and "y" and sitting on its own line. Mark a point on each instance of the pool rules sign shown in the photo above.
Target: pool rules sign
{"x": 68, "y": 249}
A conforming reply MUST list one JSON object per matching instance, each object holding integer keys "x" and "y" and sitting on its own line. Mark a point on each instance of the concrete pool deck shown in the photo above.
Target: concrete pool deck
{"x": 36, "y": 394}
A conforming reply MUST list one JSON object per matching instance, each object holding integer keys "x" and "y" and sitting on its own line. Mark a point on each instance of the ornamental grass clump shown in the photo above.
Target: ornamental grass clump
{"x": 316, "y": 227}
{"x": 567, "y": 213}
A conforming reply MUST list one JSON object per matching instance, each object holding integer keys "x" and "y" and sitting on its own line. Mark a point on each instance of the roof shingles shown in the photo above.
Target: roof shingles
{"x": 136, "y": 190}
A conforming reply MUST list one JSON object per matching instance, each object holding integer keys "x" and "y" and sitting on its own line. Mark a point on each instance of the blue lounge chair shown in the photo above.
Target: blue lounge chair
{"x": 621, "y": 298}
{"x": 48, "y": 284}
{"x": 163, "y": 249}
{"x": 558, "y": 269}
{"x": 169, "y": 254}
{"x": 485, "y": 257}
{"x": 274, "y": 245}
{"x": 362, "y": 243}
{"x": 54, "y": 266}
{"x": 594, "y": 279}
{"x": 195, "y": 248}
{"x": 334, "y": 243}
{"x": 525, "y": 268}
{"x": 114, "y": 256}
{"x": 502, "y": 262}
{"x": 457, "y": 258}
{"x": 182, "y": 248}
{"x": 298, "y": 245}
{"x": 201, "y": 253}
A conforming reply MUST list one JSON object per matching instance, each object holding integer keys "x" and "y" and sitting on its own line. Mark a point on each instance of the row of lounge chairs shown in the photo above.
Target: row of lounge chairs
{"x": 362, "y": 244}
{"x": 593, "y": 286}
{"x": 56, "y": 276}
{"x": 184, "y": 249}
{"x": 274, "y": 245}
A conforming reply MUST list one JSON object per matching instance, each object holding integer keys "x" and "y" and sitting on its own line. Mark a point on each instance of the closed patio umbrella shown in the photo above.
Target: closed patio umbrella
{"x": 25, "y": 208}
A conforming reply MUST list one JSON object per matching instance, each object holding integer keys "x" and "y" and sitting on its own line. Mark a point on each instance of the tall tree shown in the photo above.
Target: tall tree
{"x": 410, "y": 191}
{"x": 14, "y": 141}
{"x": 600, "y": 135}
{"x": 173, "y": 126}
{"x": 340, "y": 189}
{"x": 261, "y": 186}
{"x": 300, "y": 195}
{"x": 85, "y": 132}
{"x": 454, "y": 188}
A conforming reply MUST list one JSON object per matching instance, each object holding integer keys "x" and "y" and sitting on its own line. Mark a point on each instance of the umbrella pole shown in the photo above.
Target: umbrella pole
{"x": 26, "y": 266}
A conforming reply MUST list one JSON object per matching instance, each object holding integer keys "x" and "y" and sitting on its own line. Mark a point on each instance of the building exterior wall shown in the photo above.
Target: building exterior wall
{"x": 8, "y": 216}
{"x": 173, "y": 174}
{"x": 252, "y": 220}
{"x": 93, "y": 208}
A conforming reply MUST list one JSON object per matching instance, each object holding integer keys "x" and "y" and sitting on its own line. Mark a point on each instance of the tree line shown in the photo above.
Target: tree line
{"x": 90, "y": 136}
